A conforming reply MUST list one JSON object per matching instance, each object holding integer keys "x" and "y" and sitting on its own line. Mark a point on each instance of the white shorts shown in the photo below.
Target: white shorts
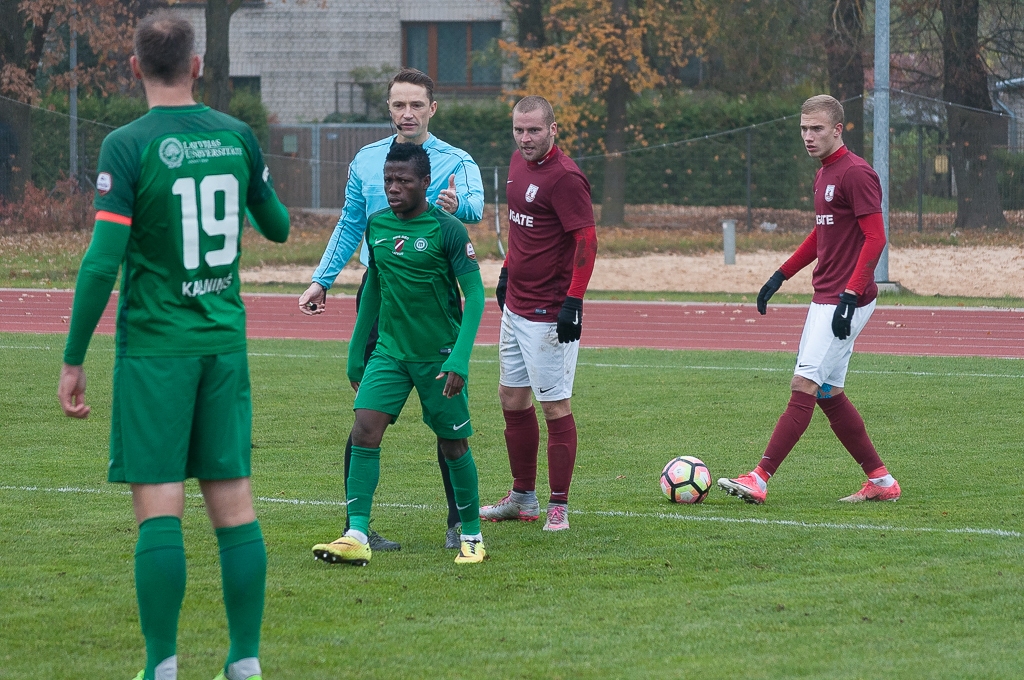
{"x": 529, "y": 355}
{"x": 823, "y": 358}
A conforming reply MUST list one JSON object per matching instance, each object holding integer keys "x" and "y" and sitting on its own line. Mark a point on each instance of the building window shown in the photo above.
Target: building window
{"x": 249, "y": 83}
{"x": 453, "y": 53}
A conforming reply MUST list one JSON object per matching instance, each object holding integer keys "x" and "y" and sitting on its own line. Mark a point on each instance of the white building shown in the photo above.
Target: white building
{"x": 300, "y": 53}
{"x": 1008, "y": 96}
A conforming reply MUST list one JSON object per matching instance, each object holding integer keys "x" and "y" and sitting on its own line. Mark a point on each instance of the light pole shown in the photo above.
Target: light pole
{"x": 880, "y": 146}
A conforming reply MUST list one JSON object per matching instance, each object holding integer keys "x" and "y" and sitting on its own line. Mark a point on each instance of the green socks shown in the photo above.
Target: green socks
{"x": 363, "y": 475}
{"x": 467, "y": 495}
{"x": 160, "y": 587}
{"x": 243, "y": 570}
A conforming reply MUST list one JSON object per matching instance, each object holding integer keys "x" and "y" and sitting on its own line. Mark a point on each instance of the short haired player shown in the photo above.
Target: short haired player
{"x": 172, "y": 190}
{"x": 847, "y": 239}
{"x": 455, "y": 186}
{"x": 419, "y": 258}
{"x": 552, "y": 246}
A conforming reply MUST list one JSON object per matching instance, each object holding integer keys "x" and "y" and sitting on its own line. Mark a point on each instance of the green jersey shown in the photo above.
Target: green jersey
{"x": 417, "y": 262}
{"x": 181, "y": 177}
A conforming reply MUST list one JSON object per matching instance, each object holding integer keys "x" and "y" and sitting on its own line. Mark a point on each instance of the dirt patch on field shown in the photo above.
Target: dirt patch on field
{"x": 964, "y": 271}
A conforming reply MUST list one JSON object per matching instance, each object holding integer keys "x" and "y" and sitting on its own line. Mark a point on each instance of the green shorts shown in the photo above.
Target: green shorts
{"x": 387, "y": 383}
{"x": 180, "y": 417}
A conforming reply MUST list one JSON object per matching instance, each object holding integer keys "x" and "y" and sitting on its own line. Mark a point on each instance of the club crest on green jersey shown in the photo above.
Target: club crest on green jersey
{"x": 172, "y": 153}
{"x": 399, "y": 244}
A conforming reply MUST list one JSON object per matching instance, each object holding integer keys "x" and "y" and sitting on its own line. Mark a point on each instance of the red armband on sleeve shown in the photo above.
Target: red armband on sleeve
{"x": 583, "y": 260}
{"x": 873, "y": 227}
{"x": 804, "y": 255}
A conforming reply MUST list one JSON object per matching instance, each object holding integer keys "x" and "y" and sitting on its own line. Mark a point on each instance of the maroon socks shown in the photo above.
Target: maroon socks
{"x": 849, "y": 428}
{"x": 791, "y": 426}
{"x": 845, "y": 420}
{"x": 561, "y": 457}
{"x": 522, "y": 437}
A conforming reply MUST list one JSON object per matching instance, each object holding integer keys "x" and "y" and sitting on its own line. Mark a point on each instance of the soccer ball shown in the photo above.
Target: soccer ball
{"x": 685, "y": 480}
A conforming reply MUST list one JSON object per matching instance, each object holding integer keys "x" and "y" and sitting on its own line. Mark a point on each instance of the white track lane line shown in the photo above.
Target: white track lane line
{"x": 796, "y": 524}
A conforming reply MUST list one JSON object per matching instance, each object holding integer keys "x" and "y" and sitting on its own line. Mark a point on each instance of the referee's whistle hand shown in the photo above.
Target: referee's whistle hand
{"x": 314, "y": 300}
{"x": 453, "y": 385}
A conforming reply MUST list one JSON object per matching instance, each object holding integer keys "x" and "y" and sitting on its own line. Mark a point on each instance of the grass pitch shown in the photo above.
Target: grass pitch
{"x": 800, "y": 587}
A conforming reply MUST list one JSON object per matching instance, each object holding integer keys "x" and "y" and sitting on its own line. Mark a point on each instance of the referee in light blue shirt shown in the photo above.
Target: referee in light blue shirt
{"x": 455, "y": 187}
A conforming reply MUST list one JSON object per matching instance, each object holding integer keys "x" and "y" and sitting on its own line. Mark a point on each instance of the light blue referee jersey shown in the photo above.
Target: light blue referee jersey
{"x": 364, "y": 195}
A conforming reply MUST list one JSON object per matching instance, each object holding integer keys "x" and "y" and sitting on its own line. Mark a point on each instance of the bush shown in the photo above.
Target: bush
{"x": 98, "y": 116}
{"x": 483, "y": 129}
{"x": 51, "y": 134}
{"x": 708, "y": 171}
{"x": 711, "y": 168}
{"x": 1011, "y": 180}
{"x": 42, "y": 211}
{"x": 248, "y": 107}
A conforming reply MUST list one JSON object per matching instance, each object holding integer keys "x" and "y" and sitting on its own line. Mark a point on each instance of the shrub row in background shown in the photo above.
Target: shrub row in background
{"x": 662, "y": 168}
{"x": 97, "y": 117}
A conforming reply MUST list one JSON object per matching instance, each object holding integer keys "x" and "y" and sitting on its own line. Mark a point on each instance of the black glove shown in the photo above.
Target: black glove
{"x": 570, "y": 320}
{"x": 768, "y": 290}
{"x": 502, "y": 288}
{"x": 844, "y": 315}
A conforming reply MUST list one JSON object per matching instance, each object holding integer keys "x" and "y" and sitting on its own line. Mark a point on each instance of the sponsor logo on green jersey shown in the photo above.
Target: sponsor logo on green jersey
{"x": 173, "y": 152}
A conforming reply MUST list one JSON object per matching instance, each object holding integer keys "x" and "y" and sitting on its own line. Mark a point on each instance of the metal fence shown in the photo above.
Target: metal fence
{"x": 309, "y": 163}
{"x": 757, "y": 170}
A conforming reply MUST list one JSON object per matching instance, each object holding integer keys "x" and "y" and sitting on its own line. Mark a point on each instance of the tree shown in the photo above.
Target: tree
{"x": 216, "y": 59}
{"x": 972, "y": 133}
{"x": 846, "y": 66}
{"x": 766, "y": 47}
{"x": 599, "y": 54}
{"x": 33, "y": 57}
{"x": 529, "y": 21}
{"x": 951, "y": 49}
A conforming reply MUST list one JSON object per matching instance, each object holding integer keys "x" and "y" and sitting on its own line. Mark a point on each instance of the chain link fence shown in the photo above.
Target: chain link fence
{"x": 757, "y": 174}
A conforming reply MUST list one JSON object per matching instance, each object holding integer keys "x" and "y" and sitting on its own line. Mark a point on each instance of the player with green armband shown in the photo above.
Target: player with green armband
{"x": 172, "y": 191}
{"x": 419, "y": 258}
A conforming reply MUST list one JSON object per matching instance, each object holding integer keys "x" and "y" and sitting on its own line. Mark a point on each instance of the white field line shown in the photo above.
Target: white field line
{"x": 758, "y": 369}
{"x": 838, "y": 526}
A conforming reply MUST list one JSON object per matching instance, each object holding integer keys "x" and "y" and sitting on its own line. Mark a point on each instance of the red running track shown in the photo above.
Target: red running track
{"x": 918, "y": 331}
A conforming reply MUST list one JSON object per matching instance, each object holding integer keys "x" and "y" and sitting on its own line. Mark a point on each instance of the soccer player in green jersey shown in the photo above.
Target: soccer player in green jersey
{"x": 419, "y": 258}
{"x": 172, "y": 190}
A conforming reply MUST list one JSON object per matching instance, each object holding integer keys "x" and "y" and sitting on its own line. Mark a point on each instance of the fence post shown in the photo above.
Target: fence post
{"x": 315, "y": 167}
{"x": 750, "y": 217}
{"x": 73, "y": 107}
{"x": 920, "y": 178}
{"x": 880, "y": 155}
{"x": 497, "y": 213}
{"x": 729, "y": 240}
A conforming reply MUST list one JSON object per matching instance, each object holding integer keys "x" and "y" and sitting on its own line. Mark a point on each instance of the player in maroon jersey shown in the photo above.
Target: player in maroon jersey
{"x": 552, "y": 245}
{"x": 847, "y": 239}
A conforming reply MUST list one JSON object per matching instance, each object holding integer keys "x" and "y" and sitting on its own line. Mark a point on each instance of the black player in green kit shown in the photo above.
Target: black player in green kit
{"x": 172, "y": 190}
{"x": 419, "y": 257}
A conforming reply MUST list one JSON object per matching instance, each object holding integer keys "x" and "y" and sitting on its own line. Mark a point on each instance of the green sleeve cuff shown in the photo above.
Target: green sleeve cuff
{"x": 270, "y": 218}
{"x": 96, "y": 278}
{"x": 369, "y": 309}
{"x": 473, "y": 289}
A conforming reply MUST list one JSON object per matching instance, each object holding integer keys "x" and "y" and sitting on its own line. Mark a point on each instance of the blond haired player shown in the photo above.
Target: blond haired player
{"x": 847, "y": 239}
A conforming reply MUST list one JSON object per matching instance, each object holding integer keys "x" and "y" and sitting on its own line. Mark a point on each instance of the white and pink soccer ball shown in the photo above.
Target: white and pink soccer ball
{"x": 685, "y": 479}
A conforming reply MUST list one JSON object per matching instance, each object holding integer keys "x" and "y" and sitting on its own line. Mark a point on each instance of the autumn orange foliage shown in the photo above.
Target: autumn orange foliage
{"x": 590, "y": 44}
{"x": 106, "y": 26}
